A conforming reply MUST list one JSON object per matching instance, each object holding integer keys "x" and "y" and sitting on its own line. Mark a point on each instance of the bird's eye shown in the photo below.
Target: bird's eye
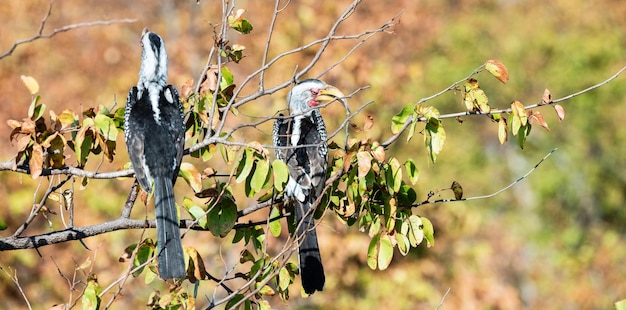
{"x": 314, "y": 91}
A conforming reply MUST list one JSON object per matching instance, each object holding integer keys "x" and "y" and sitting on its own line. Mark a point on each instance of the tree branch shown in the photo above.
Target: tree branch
{"x": 427, "y": 201}
{"x": 41, "y": 35}
{"x": 394, "y": 137}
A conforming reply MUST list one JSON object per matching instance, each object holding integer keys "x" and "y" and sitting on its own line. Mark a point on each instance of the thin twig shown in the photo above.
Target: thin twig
{"x": 442, "y": 299}
{"x": 41, "y": 35}
{"x": 427, "y": 201}
{"x": 16, "y": 281}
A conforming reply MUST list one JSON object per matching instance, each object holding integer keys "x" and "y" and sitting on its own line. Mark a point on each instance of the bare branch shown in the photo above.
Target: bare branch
{"x": 15, "y": 279}
{"x": 427, "y": 201}
{"x": 41, "y": 35}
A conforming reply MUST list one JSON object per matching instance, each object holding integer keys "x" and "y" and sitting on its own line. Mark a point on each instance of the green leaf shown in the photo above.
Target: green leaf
{"x": 144, "y": 254}
{"x": 372, "y": 252}
{"x": 227, "y": 78}
{"x": 375, "y": 226}
{"x": 3, "y": 225}
{"x": 37, "y": 111}
{"x": 234, "y": 301}
{"x": 221, "y": 218}
{"x": 385, "y": 252}
{"x": 397, "y": 174}
{"x": 398, "y": 120}
{"x": 620, "y": 305}
{"x": 434, "y": 138}
{"x": 481, "y": 100}
{"x": 90, "y": 298}
{"x": 411, "y": 170}
{"x": 149, "y": 276}
{"x": 284, "y": 279}
{"x": 403, "y": 244}
{"x": 429, "y": 231}
{"x": 207, "y": 152}
{"x": 106, "y": 127}
{"x": 261, "y": 171}
{"x": 198, "y": 214}
{"x": 239, "y": 234}
{"x": 275, "y": 226}
{"x": 31, "y": 108}
{"x": 245, "y": 165}
{"x": 411, "y": 129}
{"x": 280, "y": 171}
{"x": 238, "y": 23}
{"x": 415, "y": 232}
{"x": 523, "y": 133}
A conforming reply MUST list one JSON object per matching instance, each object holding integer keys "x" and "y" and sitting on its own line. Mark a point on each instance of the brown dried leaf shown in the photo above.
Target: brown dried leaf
{"x": 258, "y": 147}
{"x": 498, "y": 70}
{"x": 378, "y": 152}
{"x": 369, "y": 122}
{"x": 537, "y": 118}
{"x": 547, "y": 97}
{"x": 560, "y": 112}
{"x": 364, "y": 160}
{"x": 354, "y": 126}
{"x": 14, "y": 124}
{"x": 208, "y": 172}
{"x": 208, "y": 193}
{"x": 457, "y": 189}
{"x": 36, "y": 161}
{"x": 199, "y": 270}
{"x": 186, "y": 89}
{"x": 28, "y": 126}
{"x": 210, "y": 81}
{"x": 23, "y": 142}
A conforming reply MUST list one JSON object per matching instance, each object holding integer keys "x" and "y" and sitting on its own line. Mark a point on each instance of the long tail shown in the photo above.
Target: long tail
{"x": 311, "y": 268}
{"x": 171, "y": 257}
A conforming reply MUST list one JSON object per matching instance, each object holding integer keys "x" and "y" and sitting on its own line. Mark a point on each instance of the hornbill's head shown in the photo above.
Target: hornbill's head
{"x": 309, "y": 94}
{"x": 153, "y": 61}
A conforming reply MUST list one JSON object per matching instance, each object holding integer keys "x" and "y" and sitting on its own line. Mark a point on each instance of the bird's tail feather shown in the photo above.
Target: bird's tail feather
{"x": 311, "y": 269}
{"x": 170, "y": 249}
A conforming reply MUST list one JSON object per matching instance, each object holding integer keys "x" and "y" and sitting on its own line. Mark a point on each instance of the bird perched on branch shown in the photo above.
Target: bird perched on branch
{"x": 154, "y": 131}
{"x": 301, "y": 144}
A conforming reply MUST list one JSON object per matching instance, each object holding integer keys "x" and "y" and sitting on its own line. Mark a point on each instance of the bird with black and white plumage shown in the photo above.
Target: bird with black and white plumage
{"x": 155, "y": 136}
{"x": 301, "y": 143}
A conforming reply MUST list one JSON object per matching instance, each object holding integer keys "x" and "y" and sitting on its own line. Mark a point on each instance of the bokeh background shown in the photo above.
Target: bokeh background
{"x": 554, "y": 241}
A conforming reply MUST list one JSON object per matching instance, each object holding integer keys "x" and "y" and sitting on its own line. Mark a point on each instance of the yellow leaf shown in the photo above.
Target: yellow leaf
{"x": 502, "y": 131}
{"x": 192, "y": 176}
{"x": 31, "y": 84}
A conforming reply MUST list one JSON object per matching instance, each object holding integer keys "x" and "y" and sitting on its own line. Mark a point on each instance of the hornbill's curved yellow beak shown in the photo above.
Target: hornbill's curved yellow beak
{"x": 329, "y": 94}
